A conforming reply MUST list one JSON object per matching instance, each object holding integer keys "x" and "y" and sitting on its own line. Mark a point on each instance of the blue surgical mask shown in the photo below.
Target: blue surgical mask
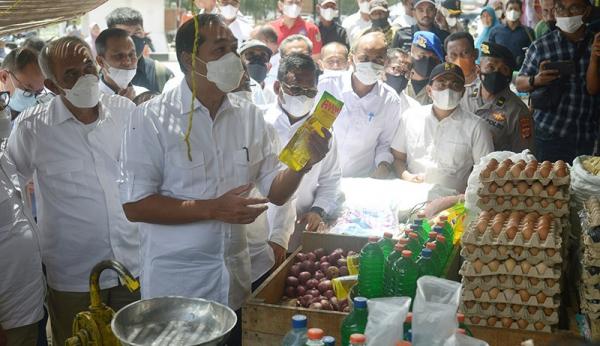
{"x": 19, "y": 101}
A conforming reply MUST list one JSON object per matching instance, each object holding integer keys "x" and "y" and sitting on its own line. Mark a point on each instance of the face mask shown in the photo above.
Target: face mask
{"x": 569, "y": 24}
{"x": 466, "y": 65}
{"x": 498, "y": 14}
{"x": 297, "y": 106}
{"x": 226, "y": 72}
{"x": 424, "y": 66}
{"x": 19, "y": 102}
{"x": 367, "y": 72}
{"x": 120, "y": 76}
{"x": 292, "y": 11}
{"x": 139, "y": 43}
{"x": 5, "y": 123}
{"x": 258, "y": 72}
{"x": 364, "y": 7}
{"x": 328, "y": 14}
{"x": 446, "y": 99}
{"x": 513, "y": 15}
{"x": 397, "y": 82}
{"x": 229, "y": 12}
{"x": 451, "y": 21}
{"x": 380, "y": 23}
{"x": 85, "y": 93}
{"x": 495, "y": 82}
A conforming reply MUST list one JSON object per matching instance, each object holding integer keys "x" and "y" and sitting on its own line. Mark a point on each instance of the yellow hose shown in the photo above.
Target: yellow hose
{"x": 188, "y": 132}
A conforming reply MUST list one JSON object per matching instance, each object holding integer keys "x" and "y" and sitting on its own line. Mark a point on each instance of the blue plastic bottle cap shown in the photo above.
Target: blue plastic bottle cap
{"x": 360, "y": 302}
{"x": 438, "y": 229}
{"x": 328, "y": 340}
{"x": 414, "y": 227}
{"x": 418, "y": 222}
{"x": 299, "y": 321}
{"x": 426, "y": 252}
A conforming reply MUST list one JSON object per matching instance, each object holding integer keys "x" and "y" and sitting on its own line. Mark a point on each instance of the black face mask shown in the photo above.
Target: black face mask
{"x": 380, "y": 23}
{"x": 495, "y": 82}
{"x": 257, "y": 71}
{"x": 424, "y": 66}
{"x": 396, "y": 82}
{"x": 551, "y": 25}
{"x": 139, "y": 45}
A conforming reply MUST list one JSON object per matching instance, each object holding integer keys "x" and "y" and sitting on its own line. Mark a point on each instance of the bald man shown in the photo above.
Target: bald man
{"x": 334, "y": 57}
{"x": 371, "y": 110}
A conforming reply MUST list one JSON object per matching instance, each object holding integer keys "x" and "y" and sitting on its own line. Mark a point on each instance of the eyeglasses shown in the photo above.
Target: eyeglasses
{"x": 575, "y": 10}
{"x": 26, "y": 92}
{"x": 294, "y": 90}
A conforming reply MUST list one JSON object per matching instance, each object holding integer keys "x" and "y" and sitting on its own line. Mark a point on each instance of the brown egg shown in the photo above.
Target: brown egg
{"x": 507, "y": 163}
{"x": 510, "y": 264}
{"x": 525, "y": 267}
{"x": 502, "y": 250}
{"x": 491, "y": 321}
{"x": 502, "y": 278}
{"x": 546, "y": 164}
{"x": 486, "y": 173}
{"x": 500, "y": 200}
{"x": 484, "y": 306}
{"x": 541, "y": 268}
{"x": 506, "y": 322}
{"x": 534, "y": 281}
{"x": 518, "y": 250}
{"x": 532, "y": 310}
{"x": 477, "y": 265}
{"x": 558, "y": 203}
{"x": 470, "y": 248}
{"x": 500, "y": 306}
{"x": 527, "y": 233}
{"x": 501, "y": 171}
{"x": 539, "y": 325}
{"x": 544, "y": 203}
{"x": 550, "y": 283}
{"x": 511, "y": 232}
{"x": 560, "y": 163}
{"x": 548, "y": 311}
{"x": 550, "y": 252}
{"x": 514, "y": 201}
{"x": 545, "y": 172}
{"x": 477, "y": 292}
{"x": 469, "y": 304}
{"x": 507, "y": 188}
{"x": 493, "y": 265}
{"x": 485, "y": 200}
{"x": 529, "y": 202}
{"x": 475, "y": 319}
{"x": 522, "y": 323}
{"x": 522, "y": 187}
{"x": 533, "y": 163}
{"x": 529, "y": 171}
{"x": 540, "y": 297}
{"x": 487, "y": 279}
{"x": 522, "y": 163}
{"x": 481, "y": 226}
{"x": 518, "y": 279}
{"x": 516, "y": 307}
{"x": 524, "y": 296}
{"x": 515, "y": 171}
{"x": 543, "y": 232}
{"x": 496, "y": 227}
{"x": 493, "y": 187}
{"x": 534, "y": 251}
{"x": 537, "y": 188}
{"x": 487, "y": 249}
{"x": 551, "y": 189}
{"x": 493, "y": 163}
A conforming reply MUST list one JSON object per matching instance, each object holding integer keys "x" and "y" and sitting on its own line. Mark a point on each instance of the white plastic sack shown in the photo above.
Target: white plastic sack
{"x": 386, "y": 317}
{"x": 583, "y": 184}
{"x": 464, "y": 340}
{"x": 434, "y": 311}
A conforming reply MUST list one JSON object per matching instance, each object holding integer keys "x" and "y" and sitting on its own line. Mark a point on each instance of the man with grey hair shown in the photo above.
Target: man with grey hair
{"x": 71, "y": 146}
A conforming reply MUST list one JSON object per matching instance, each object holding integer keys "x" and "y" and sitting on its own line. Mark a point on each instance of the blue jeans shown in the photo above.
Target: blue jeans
{"x": 551, "y": 147}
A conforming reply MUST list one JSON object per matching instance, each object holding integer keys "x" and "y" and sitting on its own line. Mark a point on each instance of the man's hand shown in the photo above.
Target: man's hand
{"x": 318, "y": 146}
{"x": 544, "y": 77}
{"x": 233, "y": 207}
{"x": 313, "y": 221}
{"x": 127, "y": 92}
{"x": 382, "y": 171}
{"x": 414, "y": 178}
{"x": 596, "y": 46}
{"x": 279, "y": 253}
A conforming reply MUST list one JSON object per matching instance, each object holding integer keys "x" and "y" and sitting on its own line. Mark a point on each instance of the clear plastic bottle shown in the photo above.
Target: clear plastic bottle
{"x": 371, "y": 268}
{"x": 358, "y": 340}
{"x": 435, "y": 258}
{"x": 386, "y": 244}
{"x": 404, "y": 276}
{"x": 329, "y": 341}
{"x": 315, "y": 337}
{"x": 424, "y": 263}
{"x": 356, "y": 321}
{"x": 296, "y": 336}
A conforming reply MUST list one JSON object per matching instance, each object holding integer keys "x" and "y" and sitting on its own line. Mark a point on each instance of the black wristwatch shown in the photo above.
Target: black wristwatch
{"x": 319, "y": 211}
{"x": 532, "y": 81}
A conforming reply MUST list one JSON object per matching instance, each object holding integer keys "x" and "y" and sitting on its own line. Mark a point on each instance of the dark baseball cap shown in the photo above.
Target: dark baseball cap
{"x": 495, "y": 50}
{"x": 444, "y": 69}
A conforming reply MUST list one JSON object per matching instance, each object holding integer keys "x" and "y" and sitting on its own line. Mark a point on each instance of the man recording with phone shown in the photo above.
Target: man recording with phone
{"x": 565, "y": 114}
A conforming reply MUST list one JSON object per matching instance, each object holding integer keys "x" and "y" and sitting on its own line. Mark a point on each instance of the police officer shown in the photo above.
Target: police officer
{"x": 426, "y": 52}
{"x": 507, "y": 116}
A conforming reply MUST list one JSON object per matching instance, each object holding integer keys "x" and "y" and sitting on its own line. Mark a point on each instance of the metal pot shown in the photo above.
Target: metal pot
{"x": 173, "y": 321}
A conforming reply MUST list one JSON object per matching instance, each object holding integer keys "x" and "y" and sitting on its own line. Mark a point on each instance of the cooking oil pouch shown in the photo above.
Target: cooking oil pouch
{"x": 456, "y": 217}
{"x": 352, "y": 263}
{"x": 343, "y": 285}
{"x": 296, "y": 153}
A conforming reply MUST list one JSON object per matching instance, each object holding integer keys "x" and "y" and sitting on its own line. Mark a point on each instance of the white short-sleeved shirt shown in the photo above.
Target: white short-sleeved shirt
{"x": 207, "y": 259}
{"x": 355, "y": 25}
{"x": 445, "y": 151}
{"x": 366, "y": 125}
{"x": 22, "y": 288}
{"x": 76, "y": 168}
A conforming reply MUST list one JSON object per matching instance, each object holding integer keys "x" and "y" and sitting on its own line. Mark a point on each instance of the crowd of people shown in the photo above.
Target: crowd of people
{"x": 179, "y": 178}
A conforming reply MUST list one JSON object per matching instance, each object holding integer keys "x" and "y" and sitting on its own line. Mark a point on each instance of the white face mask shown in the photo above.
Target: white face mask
{"x": 226, "y": 72}
{"x": 364, "y": 7}
{"x": 297, "y": 106}
{"x": 446, "y": 99}
{"x": 229, "y": 12}
{"x": 292, "y": 11}
{"x": 367, "y": 72}
{"x": 569, "y": 24}
{"x": 451, "y": 21}
{"x": 328, "y": 14}
{"x": 85, "y": 93}
{"x": 498, "y": 14}
{"x": 120, "y": 76}
{"x": 513, "y": 15}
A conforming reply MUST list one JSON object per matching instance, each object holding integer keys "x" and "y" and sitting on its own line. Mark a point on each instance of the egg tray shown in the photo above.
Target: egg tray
{"x": 589, "y": 307}
{"x": 589, "y": 261}
{"x": 511, "y": 296}
{"x": 589, "y": 242}
{"x": 521, "y": 206}
{"x": 562, "y": 192}
{"x": 489, "y": 282}
{"x": 508, "y": 252}
{"x": 523, "y": 312}
{"x": 514, "y": 325}
{"x": 592, "y": 208}
{"x": 472, "y": 236}
{"x": 468, "y": 269}
{"x": 590, "y": 293}
{"x": 537, "y": 176}
{"x": 591, "y": 315}
{"x": 588, "y": 278}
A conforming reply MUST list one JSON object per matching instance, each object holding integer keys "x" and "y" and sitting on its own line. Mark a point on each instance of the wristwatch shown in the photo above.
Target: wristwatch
{"x": 319, "y": 211}
{"x": 532, "y": 81}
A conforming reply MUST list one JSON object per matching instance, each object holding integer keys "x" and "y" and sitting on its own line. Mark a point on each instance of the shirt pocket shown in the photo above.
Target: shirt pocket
{"x": 247, "y": 164}
{"x": 67, "y": 177}
{"x": 187, "y": 178}
{"x": 453, "y": 156}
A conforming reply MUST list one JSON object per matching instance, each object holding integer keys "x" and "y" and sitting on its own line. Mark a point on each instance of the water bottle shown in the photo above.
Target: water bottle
{"x": 358, "y": 340}
{"x": 371, "y": 268}
{"x": 329, "y": 341}
{"x": 296, "y": 336}
{"x": 414, "y": 245}
{"x": 388, "y": 279}
{"x": 315, "y": 337}
{"x": 461, "y": 324}
{"x": 435, "y": 258}
{"x": 407, "y": 326}
{"x": 356, "y": 321}
{"x": 447, "y": 226}
{"x": 424, "y": 222}
{"x": 446, "y": 231}
{"x": 405, "y": 274}
{"x": 432, "y": 236}
{"x": 424, "y": 263}
{"x": 386, "y": 244}
{"x": 446, "y": 248}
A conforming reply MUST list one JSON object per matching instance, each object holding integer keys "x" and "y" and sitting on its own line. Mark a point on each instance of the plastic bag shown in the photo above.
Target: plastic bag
{"x": 434, "y": 311}
{"x": 384, "y": 326}
{"x": 583, "y": 183}
{"x": 464, "y": 340}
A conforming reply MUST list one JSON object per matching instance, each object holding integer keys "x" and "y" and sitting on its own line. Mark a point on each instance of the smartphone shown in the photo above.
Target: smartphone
{"x": 564, "y": 67}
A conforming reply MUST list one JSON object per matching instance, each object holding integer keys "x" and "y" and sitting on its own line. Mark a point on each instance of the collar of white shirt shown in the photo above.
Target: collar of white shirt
{"x": 60, "y": 113}
{"x": 182, "y": 100}
{"x": 347, "y": 86}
